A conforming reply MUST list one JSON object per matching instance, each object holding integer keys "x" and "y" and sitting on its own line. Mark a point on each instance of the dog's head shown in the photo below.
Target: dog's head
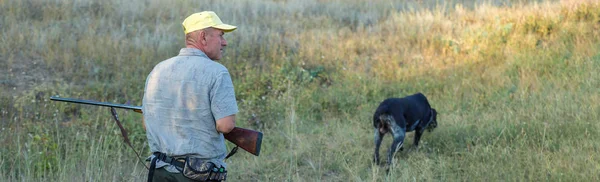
{"x": 433, "y": 124}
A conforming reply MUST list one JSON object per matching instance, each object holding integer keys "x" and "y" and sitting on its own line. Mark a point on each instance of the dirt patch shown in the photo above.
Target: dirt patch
{"x": 17, "y": 78}
{"x": 20, "y": 76}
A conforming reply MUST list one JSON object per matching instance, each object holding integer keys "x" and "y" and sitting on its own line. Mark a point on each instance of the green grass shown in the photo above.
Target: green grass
{"x": 515, "y": 83}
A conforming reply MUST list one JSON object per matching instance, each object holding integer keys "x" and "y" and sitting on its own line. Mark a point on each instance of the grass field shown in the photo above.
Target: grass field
{"x": 516, "y": 84}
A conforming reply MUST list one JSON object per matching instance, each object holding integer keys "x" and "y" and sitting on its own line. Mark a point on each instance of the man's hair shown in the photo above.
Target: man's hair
{"x": 190, "y": 37}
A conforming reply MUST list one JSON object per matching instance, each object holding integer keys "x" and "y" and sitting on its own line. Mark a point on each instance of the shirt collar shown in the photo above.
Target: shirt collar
{"x": 192, "y": 52}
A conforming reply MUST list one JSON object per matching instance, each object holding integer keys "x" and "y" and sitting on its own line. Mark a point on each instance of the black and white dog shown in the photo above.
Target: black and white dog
{"x": 401, "y": 115}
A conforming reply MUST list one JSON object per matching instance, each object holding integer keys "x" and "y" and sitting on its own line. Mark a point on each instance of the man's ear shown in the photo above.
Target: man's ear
{"x": 202, "y": 37}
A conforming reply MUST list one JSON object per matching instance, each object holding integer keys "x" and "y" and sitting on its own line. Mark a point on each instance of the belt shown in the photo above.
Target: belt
{"x": 215, "y": 173}
{"x": 178, "y": 162}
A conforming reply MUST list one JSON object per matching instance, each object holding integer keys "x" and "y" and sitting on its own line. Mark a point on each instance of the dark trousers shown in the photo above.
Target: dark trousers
{"x": 162, "y": 175}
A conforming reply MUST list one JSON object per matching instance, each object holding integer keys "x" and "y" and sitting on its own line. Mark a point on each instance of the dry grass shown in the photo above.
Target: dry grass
{"x": 515, "y": 83}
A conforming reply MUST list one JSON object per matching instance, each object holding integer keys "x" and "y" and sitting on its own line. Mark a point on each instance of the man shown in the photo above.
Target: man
{"x": 188, "y": 104}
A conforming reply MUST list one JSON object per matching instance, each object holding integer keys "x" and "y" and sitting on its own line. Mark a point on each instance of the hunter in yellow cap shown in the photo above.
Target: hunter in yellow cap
{"x": 204, "y": 31}
{"x": 189, "y": 103}
{"x": 205, "y": 19}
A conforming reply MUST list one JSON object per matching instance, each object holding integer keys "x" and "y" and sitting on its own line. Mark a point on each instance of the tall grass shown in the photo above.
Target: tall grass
{"x": 515, "y": 83}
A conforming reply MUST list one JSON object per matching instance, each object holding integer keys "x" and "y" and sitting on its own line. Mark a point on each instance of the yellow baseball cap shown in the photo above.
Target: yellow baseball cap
{"x": 203, "y": 20}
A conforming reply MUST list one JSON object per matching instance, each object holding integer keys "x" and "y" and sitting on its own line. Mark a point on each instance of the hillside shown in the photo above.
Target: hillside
{"x": 515, "y": 84}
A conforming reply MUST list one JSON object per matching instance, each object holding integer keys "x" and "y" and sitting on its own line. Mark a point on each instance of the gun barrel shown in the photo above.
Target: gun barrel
{"x": 96, "y": 103}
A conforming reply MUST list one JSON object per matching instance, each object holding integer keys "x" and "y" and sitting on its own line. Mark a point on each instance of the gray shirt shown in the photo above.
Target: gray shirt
{"x": 183, "y": 98}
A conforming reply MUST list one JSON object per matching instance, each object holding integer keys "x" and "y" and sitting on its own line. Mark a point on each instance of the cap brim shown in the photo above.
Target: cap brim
{"x": 225, "y": 27}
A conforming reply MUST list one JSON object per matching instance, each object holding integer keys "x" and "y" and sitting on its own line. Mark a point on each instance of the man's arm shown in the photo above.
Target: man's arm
{"x": 226, "y": 124}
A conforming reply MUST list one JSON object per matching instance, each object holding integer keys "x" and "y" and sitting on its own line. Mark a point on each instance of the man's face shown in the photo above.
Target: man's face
{"x": 215, "y": 43}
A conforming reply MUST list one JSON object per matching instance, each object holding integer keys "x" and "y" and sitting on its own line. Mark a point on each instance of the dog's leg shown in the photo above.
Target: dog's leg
{"x": 418, "y": 134}
{"x": 378, "y": 139}
{"x": 399, "y": 133}
{"x": 396, "y": 145}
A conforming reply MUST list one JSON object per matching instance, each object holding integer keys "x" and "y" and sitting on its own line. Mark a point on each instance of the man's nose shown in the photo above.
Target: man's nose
{"x": 224, "y": 42}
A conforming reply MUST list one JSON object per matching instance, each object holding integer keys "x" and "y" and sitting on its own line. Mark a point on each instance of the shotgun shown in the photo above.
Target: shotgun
{"x": 247, "y": 139}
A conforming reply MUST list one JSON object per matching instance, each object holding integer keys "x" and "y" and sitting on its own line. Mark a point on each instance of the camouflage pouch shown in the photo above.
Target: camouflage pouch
{"x": 200, "y": 170}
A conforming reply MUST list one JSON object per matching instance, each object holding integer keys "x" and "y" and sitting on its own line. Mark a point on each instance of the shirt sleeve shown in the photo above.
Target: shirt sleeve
{"x": 222, "y": 96}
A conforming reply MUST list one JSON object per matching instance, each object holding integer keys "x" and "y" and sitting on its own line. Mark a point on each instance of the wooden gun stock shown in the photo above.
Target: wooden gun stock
{"x": 247, "y": 139}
